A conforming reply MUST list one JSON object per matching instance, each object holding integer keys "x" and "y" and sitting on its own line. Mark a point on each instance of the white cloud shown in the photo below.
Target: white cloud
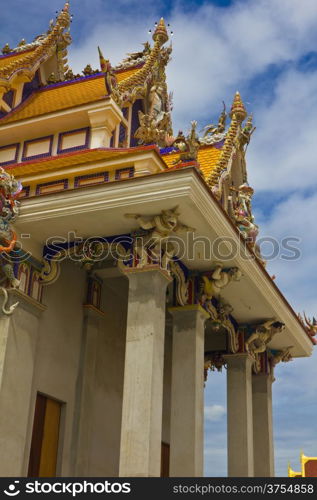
{"x": 214, "y": 413}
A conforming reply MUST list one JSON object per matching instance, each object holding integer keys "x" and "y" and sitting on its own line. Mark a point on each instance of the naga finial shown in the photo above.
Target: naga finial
{"x": 107, "y": 69}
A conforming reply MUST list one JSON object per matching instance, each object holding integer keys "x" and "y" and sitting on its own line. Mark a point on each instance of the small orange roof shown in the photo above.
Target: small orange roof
{"x": 208, "y": 157}
{"x": 75, "y": 158}
{"x": 123, "y": 75}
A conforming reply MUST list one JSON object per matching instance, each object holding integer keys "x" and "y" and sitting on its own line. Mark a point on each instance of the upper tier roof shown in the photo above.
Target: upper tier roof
{"x": 69, "y": 94}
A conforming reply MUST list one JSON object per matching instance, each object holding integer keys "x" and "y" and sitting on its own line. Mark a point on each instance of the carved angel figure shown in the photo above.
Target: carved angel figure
{"x": 263, "y": 334}
{"x": 245, "y": 134}
{"x": 243, "y": 213}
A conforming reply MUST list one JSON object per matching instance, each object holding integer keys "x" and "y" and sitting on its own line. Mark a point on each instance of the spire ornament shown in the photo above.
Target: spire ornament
{"x": 237, "y": 109}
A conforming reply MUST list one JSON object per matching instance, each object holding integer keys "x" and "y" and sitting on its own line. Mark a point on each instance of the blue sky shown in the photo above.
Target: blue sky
{"x": 268, "y": 50}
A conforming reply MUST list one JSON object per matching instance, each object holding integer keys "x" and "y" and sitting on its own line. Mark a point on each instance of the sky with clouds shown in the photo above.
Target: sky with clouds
{"x": 267, "y": 49}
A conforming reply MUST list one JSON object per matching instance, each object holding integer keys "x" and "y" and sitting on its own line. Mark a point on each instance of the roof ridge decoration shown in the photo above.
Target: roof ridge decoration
{"x": 239, "y": 198}
{"x": 215, "y": 133}
{"x": 135, "y": 58}
{"x": 310, "y": 326}
{"x": 148, "y": 83}
{"x": 57, "y": 38}
{"x": 237, "y": 114}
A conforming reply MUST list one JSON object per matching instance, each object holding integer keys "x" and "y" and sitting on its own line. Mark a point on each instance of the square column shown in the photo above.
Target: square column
{"x": 141, "y": 428}
{"x": 85, "y": 392}
{"x": 187, "y": 399}
{"x": 18, "y": 341}
{"x": 263, "y": 425}
{"x": 240, "y": 421}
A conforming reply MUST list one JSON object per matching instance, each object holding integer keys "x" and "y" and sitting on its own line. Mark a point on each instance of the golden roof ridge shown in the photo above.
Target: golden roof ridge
{"x": 160, "y": 37}
{"x": 28, "y": 64}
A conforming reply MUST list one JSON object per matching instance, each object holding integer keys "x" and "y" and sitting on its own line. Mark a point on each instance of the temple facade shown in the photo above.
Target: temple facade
{"x": 129, "y": 273}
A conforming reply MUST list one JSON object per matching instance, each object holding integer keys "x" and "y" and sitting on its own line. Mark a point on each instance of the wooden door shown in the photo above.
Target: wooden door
{"x": 45, "y": 437}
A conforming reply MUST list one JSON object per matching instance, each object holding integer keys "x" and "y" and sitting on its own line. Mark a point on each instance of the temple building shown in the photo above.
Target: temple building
{"x": 308, "y": 467}
{"x": 129, "y": 273}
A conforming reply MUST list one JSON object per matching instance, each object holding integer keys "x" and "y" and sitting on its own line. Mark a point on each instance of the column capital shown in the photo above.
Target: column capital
{"x": 146, "y": 271}
{"x": 238, "y": 358}
{"x": 195, "y": 308}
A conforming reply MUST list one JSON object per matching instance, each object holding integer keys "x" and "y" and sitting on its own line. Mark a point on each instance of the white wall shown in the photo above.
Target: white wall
{"x": 107, "y": 407}
{"x": 58, "y": 350}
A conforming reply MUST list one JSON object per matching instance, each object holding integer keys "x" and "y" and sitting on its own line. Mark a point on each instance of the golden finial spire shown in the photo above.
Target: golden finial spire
{"x": 160, "y": 33}
{"x": 237, "y": 109}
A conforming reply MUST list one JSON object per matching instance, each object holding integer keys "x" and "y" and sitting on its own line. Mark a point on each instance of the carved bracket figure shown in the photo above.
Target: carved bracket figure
{"x": 281, "y": 356}
{"x": 212, "y": 285}
{"x": 262, "y": 335}
{"x": 154, "y": 245}
{"x": 214, "y": 362}
{"x": 259, "y": 339}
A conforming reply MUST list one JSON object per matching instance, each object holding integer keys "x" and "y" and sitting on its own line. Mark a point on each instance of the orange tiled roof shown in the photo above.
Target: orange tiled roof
{"x": 57, "y": 98}
{"x": 67, "y": 95}
{"x": 72, "y": 159}
{"x": 123, "y": 75}
{"x": 13, "y": 57}
{"x": 208, "y": 157}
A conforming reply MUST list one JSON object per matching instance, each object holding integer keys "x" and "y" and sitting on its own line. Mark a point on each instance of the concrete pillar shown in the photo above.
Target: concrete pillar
{"x": 187, "y": 399}
{"x": 166, "y": 430}
{"x": 240, "y": 421}
{"x": 263, "y": 425}
{"x": 18, "y": 340}
{"x": 85, "y": 392}
{"x": 141, "y": 428}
